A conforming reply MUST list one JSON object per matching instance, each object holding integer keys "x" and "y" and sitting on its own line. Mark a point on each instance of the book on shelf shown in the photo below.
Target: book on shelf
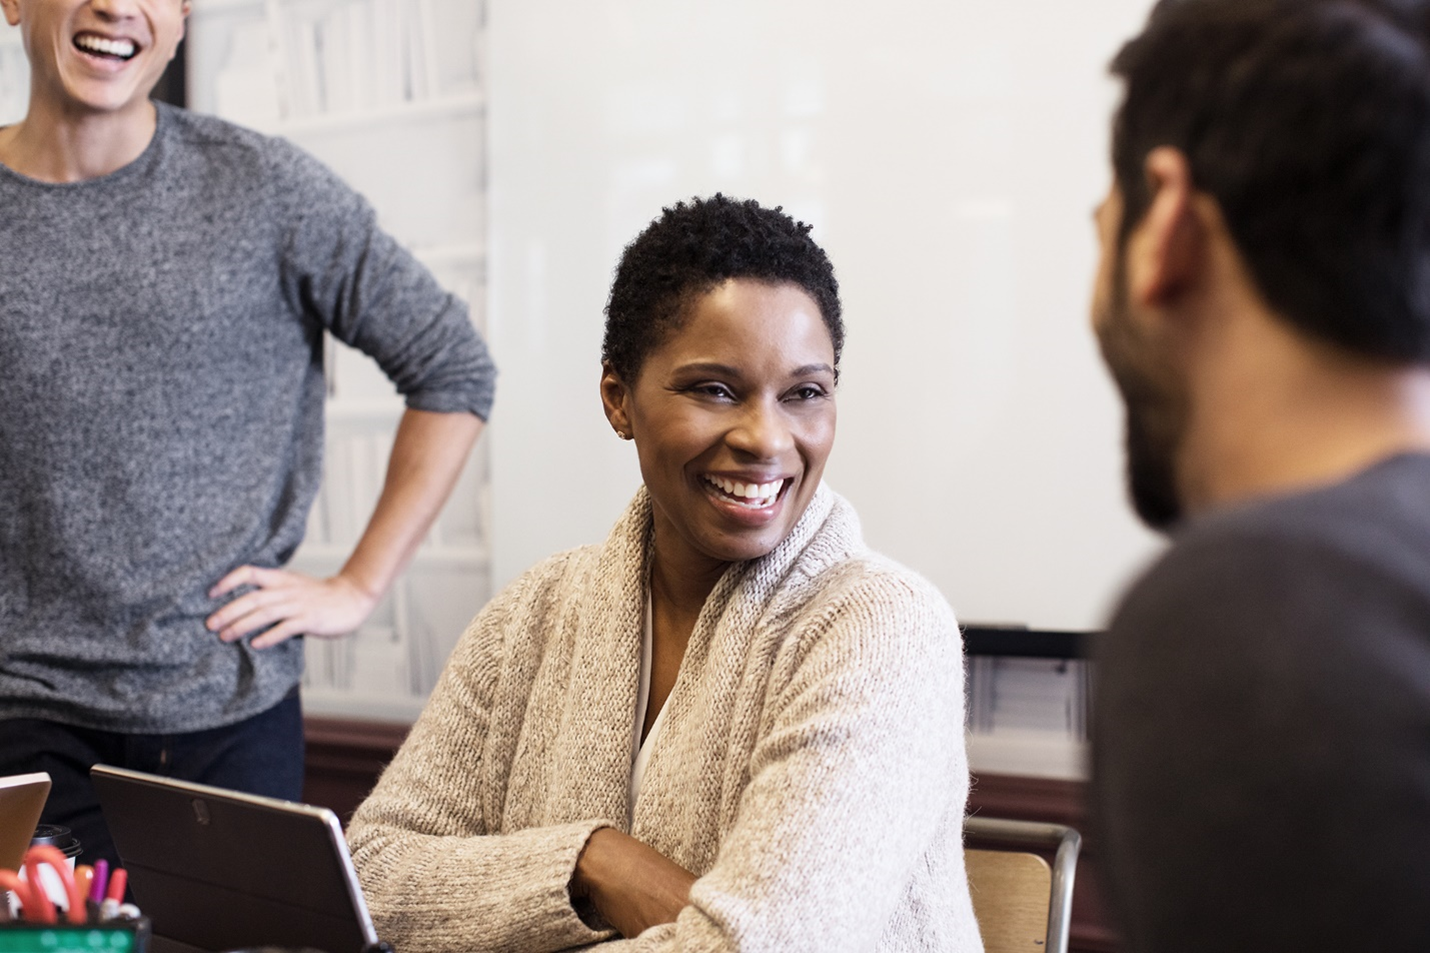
{"x": 360, "y": 55}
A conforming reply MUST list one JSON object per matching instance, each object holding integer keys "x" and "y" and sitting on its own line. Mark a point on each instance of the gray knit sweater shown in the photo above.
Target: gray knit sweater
{"x": 161, "y": 418}
{"x": 811, "y": 767}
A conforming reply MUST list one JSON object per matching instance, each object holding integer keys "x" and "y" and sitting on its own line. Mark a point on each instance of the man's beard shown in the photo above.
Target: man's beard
{"x": 1155, "y": 412}
{"x": 1151, "y": 477}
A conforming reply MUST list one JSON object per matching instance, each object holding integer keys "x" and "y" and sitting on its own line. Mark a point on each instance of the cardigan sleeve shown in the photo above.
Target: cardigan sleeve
{"x": 859, "y": 780}
{"x": 428, "y": 833}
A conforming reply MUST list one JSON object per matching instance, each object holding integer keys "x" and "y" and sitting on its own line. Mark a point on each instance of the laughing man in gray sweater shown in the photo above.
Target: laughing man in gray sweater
{"x": 165, "y": 284}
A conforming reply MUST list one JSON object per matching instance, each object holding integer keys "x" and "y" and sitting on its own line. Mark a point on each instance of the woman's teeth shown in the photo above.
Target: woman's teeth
{"x": 753, "y": 495}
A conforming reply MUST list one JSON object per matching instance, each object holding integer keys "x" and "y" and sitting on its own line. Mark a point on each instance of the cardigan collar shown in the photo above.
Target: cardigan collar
{"x": 609, "y": 636}
{"x": 627, "y": 548}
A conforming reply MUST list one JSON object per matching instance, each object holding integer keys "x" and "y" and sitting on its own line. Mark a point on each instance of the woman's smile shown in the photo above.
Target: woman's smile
{"x": 752, "y": 503}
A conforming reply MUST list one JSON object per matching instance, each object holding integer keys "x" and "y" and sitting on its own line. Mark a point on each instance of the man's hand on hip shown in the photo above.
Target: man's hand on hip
{"x": 286, "y": 604}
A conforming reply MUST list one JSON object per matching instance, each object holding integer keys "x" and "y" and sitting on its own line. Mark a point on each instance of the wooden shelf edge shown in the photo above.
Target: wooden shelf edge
{"x": 376, "y": 737}
{"x": 1052, "y": 800}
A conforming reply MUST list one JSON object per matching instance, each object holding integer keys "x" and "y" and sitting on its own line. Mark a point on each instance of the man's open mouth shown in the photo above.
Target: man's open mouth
{"x": 104, "y": 47}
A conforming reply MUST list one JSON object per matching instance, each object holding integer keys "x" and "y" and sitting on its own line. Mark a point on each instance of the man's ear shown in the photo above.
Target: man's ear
{"x": 12, "y": 11}
{"x": 1167, "y": 249}
{"x": 615, "y": 398}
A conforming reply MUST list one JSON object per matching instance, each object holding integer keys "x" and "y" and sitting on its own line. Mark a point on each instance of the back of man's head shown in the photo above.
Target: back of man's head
{"x": 1309, "y": 123}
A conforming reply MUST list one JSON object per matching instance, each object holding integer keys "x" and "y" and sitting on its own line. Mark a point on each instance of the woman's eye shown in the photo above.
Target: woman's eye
{"x": 717, "y": 391}
{"x": 807, "y": 392}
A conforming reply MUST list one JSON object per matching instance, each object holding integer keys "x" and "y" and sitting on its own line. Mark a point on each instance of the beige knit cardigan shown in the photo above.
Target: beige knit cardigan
{"x": 811, "y": 767}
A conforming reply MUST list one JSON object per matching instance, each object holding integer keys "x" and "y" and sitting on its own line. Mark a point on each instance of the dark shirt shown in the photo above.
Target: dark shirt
{"x": 1262, "y": 727}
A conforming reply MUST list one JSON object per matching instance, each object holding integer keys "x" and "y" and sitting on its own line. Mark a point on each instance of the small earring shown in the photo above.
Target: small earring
{"x": 623, "y": 435}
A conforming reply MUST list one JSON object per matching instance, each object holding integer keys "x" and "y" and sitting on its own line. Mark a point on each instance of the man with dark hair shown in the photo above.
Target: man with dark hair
{"x": 1262, "y": 747}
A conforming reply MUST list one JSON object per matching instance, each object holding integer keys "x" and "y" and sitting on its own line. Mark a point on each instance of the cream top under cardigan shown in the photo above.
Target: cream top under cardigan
{"x": 811, "y": 768}
{"x": 644, "y": 745}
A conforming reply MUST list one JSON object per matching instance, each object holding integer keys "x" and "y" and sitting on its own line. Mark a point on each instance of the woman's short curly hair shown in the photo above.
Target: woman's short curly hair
{"x": 695, "y": 246}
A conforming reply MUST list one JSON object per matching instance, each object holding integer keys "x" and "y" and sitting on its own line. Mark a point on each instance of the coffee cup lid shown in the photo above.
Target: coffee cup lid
{"x": 53, "y": 835}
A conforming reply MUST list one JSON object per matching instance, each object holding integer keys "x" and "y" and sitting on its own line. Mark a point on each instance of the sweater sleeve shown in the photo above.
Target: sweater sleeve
{"x": 431, "y": 829}
{"x": 355, "y": 280}
{"x": 857, "y": 787}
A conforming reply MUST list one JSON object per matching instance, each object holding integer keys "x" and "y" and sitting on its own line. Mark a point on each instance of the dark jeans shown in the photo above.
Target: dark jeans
{"x": 262, "y": 755}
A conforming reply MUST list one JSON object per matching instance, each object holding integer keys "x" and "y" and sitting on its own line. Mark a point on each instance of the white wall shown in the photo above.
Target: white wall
{"x": 949, "y": 155}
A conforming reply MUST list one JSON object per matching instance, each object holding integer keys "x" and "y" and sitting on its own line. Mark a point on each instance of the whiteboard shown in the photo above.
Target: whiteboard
{"x": 949, "y": 155}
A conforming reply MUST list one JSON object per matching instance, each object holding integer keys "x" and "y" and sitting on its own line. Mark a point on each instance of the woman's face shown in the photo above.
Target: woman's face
{"x": 733, "y": 418}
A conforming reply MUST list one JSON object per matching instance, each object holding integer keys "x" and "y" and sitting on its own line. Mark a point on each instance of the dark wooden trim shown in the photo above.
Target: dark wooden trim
{"x": 1051, "y": 800}
{"x": 355, "y": 734}
{"x": 344, "y": 758}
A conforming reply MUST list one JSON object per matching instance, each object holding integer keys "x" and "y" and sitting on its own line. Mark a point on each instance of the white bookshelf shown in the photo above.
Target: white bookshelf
{"x": 469, "y": 104}
{"x": 391, "y": 95}
{"x": 14, "y": 76}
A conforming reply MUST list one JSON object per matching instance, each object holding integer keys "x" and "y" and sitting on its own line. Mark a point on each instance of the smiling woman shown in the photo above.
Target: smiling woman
{"x": 731, "y": 726}
{"x": 733, "y": 418}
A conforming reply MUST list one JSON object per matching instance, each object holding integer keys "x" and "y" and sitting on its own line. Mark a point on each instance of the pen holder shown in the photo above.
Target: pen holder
{"x": 109, "y": 936}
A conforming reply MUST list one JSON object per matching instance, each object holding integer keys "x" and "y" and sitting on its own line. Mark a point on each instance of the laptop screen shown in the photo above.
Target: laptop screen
{"x": 22, "y": 798}
{"x": 219, "y": 870}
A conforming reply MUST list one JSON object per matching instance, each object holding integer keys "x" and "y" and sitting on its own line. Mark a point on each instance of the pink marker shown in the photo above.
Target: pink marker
{"x": 101, "y": 879}
{"x": 117, "y": 883}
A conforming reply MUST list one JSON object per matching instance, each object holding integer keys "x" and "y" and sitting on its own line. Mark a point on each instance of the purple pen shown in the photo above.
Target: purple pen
{"x": 100, "y": 882}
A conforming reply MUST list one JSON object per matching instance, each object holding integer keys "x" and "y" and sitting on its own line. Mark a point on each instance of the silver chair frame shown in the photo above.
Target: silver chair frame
{"x": 1066, "y": 843}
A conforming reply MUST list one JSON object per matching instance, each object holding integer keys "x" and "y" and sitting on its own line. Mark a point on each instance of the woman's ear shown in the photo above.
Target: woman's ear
{"x": 616, "y": 401}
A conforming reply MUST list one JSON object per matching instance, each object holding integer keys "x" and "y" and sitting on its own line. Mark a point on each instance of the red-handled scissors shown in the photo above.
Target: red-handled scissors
{"x": 51, "y": 857}
{"x": 9, "y": 880}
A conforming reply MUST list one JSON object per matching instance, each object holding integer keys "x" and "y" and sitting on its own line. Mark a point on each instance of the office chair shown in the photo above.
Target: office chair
{"x": 1022, "y": 905}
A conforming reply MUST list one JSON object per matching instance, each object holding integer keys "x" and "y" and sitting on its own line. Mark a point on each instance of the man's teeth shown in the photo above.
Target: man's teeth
{"x": 758, "y": 494}
{"x": 123, "y": 49}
